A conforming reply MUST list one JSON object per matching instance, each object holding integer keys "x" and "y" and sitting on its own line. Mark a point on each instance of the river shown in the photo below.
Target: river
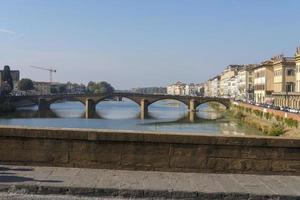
{"x": 164, "y": 116}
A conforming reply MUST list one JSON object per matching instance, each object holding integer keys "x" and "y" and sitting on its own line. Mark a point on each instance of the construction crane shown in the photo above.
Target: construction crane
{"x": 51, "y": 71}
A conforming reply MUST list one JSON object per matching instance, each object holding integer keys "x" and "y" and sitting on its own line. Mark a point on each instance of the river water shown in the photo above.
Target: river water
{"x": 164, "y": 116}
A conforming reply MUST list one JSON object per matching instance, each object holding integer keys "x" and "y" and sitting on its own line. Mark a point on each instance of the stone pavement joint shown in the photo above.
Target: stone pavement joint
{"x": 141, "y": 185}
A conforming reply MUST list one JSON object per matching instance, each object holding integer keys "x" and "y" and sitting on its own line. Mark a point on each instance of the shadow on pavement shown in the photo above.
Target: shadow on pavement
{"x": 13, "y": 179}
{"x": 7, "y": 177}
{"x": 16, "y": 169}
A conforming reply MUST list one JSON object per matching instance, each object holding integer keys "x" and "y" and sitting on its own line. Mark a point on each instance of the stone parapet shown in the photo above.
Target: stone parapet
{"x": 149, "y": 151}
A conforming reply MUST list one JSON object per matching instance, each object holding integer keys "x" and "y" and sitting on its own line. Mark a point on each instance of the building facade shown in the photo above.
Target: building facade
{"x": 297, "y": 61}
{"x": 263, "y": 81}
{"x": 227, "y": 74}
{"x": 215, "y": 86}
{"x": 232, "y": 87}
{"x": 15, "y": 75}
{"x": 287, "y": 93}
{"x": 284, "y": 74}
{"x": 42, "y": 88}
{"x": 180, "y": 88}
{"x": 245, "y": 83}
{"x": 208, "y": 88}
{"x": 176, "y": 89}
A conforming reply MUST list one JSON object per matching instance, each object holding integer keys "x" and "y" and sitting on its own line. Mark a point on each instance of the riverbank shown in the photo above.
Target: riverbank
{"x": 270, "y": 122}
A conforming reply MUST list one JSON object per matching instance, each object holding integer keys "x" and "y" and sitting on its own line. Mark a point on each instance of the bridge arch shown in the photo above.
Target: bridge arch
{"x": 168, "y": 98}
{"x": 135, "y": 100}
{"x": 74, "y": 99}
{"x": 224, "y": 103}
{"x": 32, "y": 100}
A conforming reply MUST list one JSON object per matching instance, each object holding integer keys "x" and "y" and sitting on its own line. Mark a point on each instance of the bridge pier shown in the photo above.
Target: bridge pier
{"x": 192, "y": 116}
{"x": 144, "y": 108}
{"x": 192, "y": 105}
{"x": 43, "y": 105}
{"x": 90, "y": 108}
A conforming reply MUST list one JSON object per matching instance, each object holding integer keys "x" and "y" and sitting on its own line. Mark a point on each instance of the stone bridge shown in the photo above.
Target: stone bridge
{"x": 143, "y": 100}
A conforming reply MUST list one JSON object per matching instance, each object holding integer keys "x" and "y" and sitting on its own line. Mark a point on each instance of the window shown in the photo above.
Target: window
{"x": 290, "y": 72}
{"x": 278, "y": 72}
{"x": 298, "y": 86}
{"x": 290, "y": 87}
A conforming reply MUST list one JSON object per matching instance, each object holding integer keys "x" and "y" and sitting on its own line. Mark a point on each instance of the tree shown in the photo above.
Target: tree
{"x": 105, "y": 87}
{"x": 99, "y": 88}
{"x": 25, "y": 84}
{"x": 91, "y": 87}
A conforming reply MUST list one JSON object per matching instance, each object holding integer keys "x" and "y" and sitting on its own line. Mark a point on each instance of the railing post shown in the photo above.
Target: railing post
{"x": 90, "y": 108}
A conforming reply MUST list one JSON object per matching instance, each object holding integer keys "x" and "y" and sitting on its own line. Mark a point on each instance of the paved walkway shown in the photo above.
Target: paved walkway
{"x": 140, "y": 184}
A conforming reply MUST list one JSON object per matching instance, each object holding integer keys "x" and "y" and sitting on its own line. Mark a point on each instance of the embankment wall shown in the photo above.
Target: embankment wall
{"x": 148, "y": 151}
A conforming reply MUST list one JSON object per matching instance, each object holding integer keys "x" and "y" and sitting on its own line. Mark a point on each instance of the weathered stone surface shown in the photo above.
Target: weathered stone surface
{"x": 285, "y": 166}
{"x": 149, "y": 155}
{"x": 191, "y": 157}
{"x": 149, "y": 151}
{"x": 141, "y": 184}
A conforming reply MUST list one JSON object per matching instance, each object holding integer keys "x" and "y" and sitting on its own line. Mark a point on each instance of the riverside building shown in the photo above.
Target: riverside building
{"x": 227, "y": 74}
{"x": 215, "y": 86}
{"x": 284, "y": 74}
{"x": 297, "y": 60}
{"x": 263, "y": 81}
{"x": 15, "y": 75}
{"x": 287, "y": 81}
{"x": 245, "y": 82}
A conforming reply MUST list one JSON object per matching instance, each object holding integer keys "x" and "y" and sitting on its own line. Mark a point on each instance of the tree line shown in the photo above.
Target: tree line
{"x": 26, "y": 84}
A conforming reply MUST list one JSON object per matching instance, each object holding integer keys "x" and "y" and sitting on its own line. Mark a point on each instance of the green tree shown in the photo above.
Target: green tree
{"x": 91, "y": 87}
{"x": 25, "y": 84}
{"x": 100, "y": 87}
{"x": 105, "y": 87}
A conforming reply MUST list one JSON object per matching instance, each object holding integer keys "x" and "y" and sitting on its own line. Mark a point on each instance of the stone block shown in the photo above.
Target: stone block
{"x": 188, "y": 156}
{"x": 106, "y": 147}
{"x": 285, "y": 166}
{"x": 145, "y": 155}
{"x": 221, "y": 151}
{"x": 89, "y": 159}
{"x": 226, "y": 165}
{"x": 32, "y": 156}
{"x": 11, "y": 143}
{"x": 291, "y": 154}
{"x": 47, "y": 145}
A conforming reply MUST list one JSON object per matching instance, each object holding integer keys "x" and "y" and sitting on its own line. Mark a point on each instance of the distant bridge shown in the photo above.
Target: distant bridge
{"x": 143, "y": 100}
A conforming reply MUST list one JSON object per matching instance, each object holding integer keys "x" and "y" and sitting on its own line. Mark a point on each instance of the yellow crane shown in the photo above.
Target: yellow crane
{"x": 51, "y": 71}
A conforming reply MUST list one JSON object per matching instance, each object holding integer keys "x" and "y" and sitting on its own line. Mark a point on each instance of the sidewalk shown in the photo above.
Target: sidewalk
{"x": 140, "y": 184}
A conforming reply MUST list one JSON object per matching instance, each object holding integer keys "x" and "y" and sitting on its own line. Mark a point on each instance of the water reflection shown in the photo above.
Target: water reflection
{"x": 164, "y": 116}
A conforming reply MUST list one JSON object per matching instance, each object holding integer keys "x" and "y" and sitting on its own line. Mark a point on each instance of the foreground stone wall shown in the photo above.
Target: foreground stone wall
{"x": 149, "y": 151}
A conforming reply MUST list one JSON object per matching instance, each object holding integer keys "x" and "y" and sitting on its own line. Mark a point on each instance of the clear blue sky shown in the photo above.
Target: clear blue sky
{"x": 133, "y": 43}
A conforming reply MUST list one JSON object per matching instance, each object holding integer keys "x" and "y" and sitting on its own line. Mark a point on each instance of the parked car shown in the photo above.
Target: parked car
{"x": 291, "y": 110}
{"x": 283, "y": 108}
{"x": 275, "y": 107}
